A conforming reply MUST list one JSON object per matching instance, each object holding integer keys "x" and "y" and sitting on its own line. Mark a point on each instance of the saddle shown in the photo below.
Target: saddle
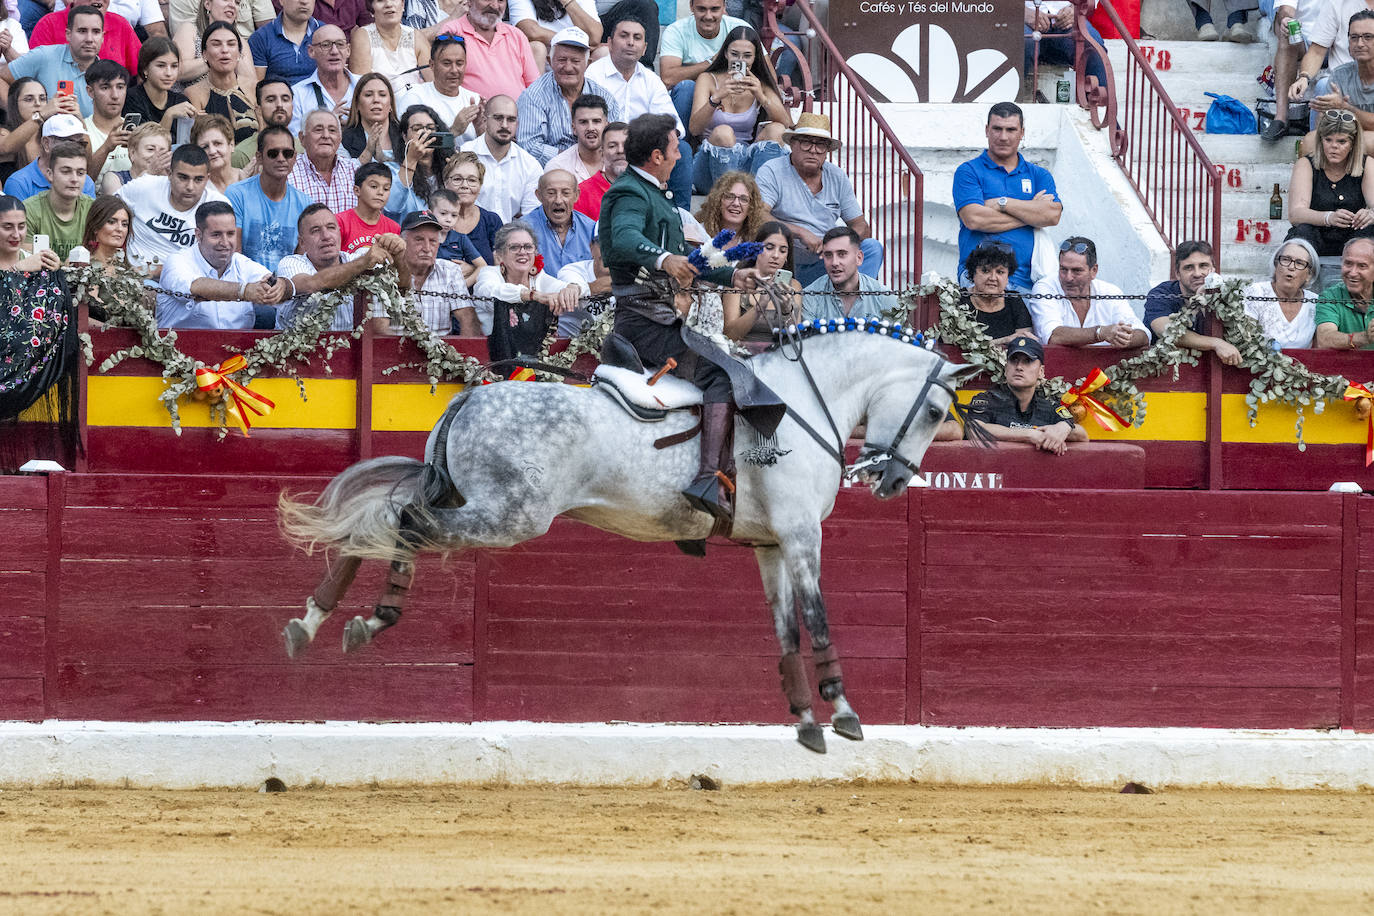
{"x": 647, "y": 396}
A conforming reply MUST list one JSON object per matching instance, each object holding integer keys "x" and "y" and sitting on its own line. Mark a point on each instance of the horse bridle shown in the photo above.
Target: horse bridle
{"x": 888, "y": 453}
{"x": 875, "y": 455}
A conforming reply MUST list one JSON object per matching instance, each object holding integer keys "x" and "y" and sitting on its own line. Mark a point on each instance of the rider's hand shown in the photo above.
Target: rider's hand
{"x": 680, "y": 269}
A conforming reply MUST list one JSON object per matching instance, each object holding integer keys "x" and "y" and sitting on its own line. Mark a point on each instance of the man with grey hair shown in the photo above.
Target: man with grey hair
{"x": 1343, "y": 318}
{"x": 545, "y": 108}
{"x": 323, "y": 173}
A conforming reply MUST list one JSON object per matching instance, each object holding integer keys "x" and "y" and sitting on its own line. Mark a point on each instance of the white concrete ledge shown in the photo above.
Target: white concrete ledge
{"x": 189, "y": 755}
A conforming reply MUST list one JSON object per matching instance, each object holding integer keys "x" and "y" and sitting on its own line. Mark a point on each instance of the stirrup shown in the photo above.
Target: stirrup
{"x": 704, "y": 495}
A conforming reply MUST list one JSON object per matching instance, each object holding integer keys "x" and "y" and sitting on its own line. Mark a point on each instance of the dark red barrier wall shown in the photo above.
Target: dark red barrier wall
{"x": 158, "y": 598}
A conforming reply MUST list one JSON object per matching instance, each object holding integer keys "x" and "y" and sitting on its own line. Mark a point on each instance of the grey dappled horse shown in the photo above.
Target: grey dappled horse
{"x": 509, "y": 458}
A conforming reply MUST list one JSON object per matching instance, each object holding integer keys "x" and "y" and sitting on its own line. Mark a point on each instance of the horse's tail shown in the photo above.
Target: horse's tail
{"x": 377, "y": 509}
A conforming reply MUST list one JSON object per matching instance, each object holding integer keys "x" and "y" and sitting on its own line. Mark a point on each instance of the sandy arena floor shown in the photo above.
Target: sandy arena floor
{"x": 802, "y": 849}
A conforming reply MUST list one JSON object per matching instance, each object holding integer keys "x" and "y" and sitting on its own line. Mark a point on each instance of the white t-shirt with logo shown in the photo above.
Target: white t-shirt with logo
{"x": 446, "y": 106}
{"x": 158, "y": 230}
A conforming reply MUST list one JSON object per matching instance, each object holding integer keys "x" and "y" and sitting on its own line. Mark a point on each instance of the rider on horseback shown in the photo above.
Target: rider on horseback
{"x": 643, "y": 247}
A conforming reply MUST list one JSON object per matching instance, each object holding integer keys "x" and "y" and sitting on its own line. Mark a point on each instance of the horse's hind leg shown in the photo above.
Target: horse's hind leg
{"x": 805, "y": 573}
{"x": 387, "y": 612}
{"x": 793, "y": 670}
{"x": 300, "y": 632}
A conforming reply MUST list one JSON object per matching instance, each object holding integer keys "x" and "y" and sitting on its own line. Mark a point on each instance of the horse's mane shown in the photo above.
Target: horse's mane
{"x": 791, "y": 338}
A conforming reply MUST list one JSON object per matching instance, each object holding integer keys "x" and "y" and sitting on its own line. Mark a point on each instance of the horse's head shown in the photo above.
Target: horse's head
{"x": 902, "y": 420}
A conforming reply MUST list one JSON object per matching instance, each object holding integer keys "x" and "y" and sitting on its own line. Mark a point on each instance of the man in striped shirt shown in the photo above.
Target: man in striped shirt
{"x": 545, "y": 108}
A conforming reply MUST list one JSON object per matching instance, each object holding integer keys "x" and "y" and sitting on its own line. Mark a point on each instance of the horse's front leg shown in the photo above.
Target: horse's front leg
{"x": 804, "y": 571}
{"x": 795, "y": 687}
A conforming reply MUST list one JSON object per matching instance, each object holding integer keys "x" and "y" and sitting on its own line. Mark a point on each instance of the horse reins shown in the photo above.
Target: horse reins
{"x": 790, "y": 339}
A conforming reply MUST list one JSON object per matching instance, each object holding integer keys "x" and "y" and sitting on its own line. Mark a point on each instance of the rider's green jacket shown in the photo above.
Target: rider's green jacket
{"x": 638, "y": 225}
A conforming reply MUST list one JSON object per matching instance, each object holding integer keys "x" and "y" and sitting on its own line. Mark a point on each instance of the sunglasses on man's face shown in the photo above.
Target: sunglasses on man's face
{"x": 283, "y": 152}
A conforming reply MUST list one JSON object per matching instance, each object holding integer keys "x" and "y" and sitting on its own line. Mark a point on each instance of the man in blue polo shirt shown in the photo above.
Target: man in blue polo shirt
{"x": 1001, "y": 196}
{"x": 281, "y": 49}
{"x": 52, "y": 64}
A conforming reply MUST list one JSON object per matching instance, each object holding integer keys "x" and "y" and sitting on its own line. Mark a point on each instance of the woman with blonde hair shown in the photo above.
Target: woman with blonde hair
{"x": 463, "y": 175}
{"x": 373, "y": 132}
{"x": 733, "y": 203}
{"x": 150, "y": 153}
{"x": 1331, "y": 191}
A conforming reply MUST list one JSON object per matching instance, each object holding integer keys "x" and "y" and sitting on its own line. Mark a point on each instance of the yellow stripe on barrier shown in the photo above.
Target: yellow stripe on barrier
{"x": 122, "y": 400}
{"x": 1336, "y": 425}
{"x": 410, "y": 408}
{"x": 1170, "y": 416}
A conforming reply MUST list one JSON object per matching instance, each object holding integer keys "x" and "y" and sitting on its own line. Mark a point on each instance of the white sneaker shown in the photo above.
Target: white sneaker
{"x": 1208, "y": 32}
{"x": 1240, "y": 34}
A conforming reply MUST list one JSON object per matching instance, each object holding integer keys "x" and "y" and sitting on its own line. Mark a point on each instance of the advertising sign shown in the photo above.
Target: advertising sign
{"x": 933, "y": 50}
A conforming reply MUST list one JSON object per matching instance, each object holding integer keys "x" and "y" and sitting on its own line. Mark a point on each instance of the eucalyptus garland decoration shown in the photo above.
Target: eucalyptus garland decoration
{"x": 1276, "y": 376}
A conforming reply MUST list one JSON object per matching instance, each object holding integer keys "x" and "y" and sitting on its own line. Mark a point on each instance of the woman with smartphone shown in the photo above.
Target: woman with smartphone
{"x": 19, "y": 140}
{"x": 426, "y": 152}
{"x": 738, "y": 109}
{"x": 753, "y": 316}
{"x": 159, "y": 64}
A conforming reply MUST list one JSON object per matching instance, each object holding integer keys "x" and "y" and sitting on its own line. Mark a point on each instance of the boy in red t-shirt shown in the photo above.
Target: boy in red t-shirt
{"x": 359, "y": 226}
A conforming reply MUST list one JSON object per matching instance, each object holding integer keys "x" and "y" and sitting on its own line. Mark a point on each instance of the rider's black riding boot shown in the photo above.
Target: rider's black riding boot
{"x": 713, "y": 489}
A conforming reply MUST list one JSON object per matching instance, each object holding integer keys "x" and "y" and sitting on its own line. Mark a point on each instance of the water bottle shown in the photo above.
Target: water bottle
{"x": 1294, "y": 32}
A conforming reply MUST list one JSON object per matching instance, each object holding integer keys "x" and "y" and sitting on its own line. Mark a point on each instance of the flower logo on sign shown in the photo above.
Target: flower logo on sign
{"x": 926, "y": 66}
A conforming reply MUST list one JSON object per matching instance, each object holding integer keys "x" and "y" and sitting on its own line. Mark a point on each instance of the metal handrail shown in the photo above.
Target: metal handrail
{"x": 1152, "y": 143}
{"x": 888, "y": 182}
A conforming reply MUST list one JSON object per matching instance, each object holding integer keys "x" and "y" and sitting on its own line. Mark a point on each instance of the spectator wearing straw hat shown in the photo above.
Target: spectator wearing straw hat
{"x": 1001, "y": 196}
{"x": 813, "y": 196}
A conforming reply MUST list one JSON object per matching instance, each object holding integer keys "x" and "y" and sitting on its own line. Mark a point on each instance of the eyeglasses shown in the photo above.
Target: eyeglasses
{"x": 285, "y": 152}
{"x": 1362, "y": 38}
{"x": 1345, "y": 117}
{"x": 734, "y": 198}
{"x": 453, "y": 38}
{"x": 469, "y": 179}
{"x": 519, "y": 249}
{"x": 996, "y": 246}
{"x": 1284, "y": 260}
{"x": 1076, "y": 247}
{"x": 811, "y": 143}
{"x": 331, "y": 45}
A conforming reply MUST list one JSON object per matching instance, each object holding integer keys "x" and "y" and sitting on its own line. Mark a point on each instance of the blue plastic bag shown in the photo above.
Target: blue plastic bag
{"x": 1227, "y": 115}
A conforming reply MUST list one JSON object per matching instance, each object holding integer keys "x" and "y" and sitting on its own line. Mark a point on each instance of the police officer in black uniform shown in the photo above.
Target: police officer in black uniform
{"x": 1016, "y": 411}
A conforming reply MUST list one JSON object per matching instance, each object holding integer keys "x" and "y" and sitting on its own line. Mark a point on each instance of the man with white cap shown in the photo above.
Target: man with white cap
{"x": 813, "y": 196}
{"x": 32, "y": 178}
{"x": 456, "y": 105}
{"x": 545, "y": 108}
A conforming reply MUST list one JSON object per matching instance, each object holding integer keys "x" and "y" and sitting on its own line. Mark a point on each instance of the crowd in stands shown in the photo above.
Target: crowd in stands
{"x": 242, "y": 157}
{"x": 1003, "y": 200}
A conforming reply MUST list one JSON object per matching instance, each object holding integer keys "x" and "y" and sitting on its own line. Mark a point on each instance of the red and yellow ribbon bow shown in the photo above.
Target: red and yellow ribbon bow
{"x": 1081, "y": 394}
{"x": 1355, "y": 393}
{"x": 241, "y": 399}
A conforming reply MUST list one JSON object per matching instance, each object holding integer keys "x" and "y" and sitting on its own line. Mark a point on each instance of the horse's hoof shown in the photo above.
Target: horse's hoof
{"x": 356, "y": 634}
{"x": 847, "y": 726}
{"x": 296, "y": 637}
{"x": 812, "y": 737}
